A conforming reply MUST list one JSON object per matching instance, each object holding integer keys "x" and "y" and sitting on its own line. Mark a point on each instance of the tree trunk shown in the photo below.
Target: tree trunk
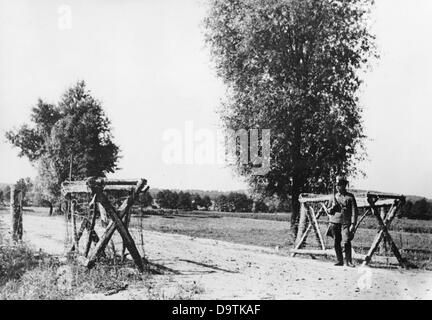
{"x": 16, "y": 211}
{"x": 58, "y": 209}
{"x": 51, "y": 208}
{"x": 295, "y": 215}
{"x": 296, "y": 180}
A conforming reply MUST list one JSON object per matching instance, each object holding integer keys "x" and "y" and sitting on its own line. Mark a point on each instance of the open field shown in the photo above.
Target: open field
{"x": 407, "y": 225}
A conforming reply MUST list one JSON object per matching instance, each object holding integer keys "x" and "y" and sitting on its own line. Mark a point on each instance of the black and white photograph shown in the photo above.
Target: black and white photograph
{"x": 215, "y": 150}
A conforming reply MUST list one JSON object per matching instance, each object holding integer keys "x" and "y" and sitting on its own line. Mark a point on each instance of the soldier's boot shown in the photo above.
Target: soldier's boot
{"x": 339, "y": 255}
{"x": 348, "y": 255}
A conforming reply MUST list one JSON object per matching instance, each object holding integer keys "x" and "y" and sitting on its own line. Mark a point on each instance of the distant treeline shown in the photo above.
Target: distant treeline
{"x": 168, "y": 199}
{"x": 419, "y": 209}
{"x": 225, "y": 202}
{"x": 212, "y": 194}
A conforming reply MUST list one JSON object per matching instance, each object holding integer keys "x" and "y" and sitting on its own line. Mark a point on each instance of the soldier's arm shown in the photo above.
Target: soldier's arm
{"x": 354, "y": 212}
{"x": 331, "y": 207}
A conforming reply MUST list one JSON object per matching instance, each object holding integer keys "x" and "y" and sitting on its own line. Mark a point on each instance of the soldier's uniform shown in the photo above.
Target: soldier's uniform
{"x": 343, "y": 215}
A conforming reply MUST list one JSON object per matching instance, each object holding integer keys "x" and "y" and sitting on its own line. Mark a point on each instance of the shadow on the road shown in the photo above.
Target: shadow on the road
{"x": 208, "y": 266}
{"x": 160, "y": 269}
{"x": 156, "y": 268}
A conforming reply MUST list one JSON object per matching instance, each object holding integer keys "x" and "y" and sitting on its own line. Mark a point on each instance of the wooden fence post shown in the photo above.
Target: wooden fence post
{"x": 16, "y": 213}
{"x": 303, "y": 220}
{"x": 74, "y": 226}
{"x": 383, "y": 244}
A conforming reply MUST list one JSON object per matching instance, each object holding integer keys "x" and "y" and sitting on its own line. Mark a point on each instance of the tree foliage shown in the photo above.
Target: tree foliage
{"x": 184, "y": 201}
{"x": 26, "y": 186}
{"x": 420, "y": 209}
{"x": 145, "y": 199}
{"x": 197, "y": 201}
{"x": 206, "y": 202}
{"x": 6, "y": 193}
{"x": 225, "y": 202}
{"x": 76, "y": 131}
{"x": 167, "y": 199}
{"x": 234, "y": 202}
{"x": 294, "y": 67}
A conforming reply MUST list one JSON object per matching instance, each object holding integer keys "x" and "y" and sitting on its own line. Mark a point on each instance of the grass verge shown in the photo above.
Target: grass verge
{"x": 28, "y": 275}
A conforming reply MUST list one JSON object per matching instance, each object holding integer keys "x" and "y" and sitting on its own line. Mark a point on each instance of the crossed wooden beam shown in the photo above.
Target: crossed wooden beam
{"x": 119, "y": 221}
{"x": 383, "y": 233}
{"x": 312, "y": 225}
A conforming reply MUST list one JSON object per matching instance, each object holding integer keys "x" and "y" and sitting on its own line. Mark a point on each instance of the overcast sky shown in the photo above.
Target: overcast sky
{"x": 148, "y": 64}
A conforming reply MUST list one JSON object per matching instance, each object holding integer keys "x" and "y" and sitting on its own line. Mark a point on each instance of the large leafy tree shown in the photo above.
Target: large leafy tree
{"x": 184, "y": 201}
{"x": 206, "y": 202}
{"x": 75, "y": 134}
{"x": 26, "y": 186}
{"x": 294, "y": 67}
{"x": 145, "y": 199}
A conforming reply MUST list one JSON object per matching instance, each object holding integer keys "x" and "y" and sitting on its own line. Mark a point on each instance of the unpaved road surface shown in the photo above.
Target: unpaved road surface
{"x": 222, "y": 270}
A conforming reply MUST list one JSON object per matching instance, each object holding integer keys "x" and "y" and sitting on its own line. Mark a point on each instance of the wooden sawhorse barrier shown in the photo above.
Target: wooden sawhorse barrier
{"x": 119, "y": 217}
{"x": 371, "y": 202}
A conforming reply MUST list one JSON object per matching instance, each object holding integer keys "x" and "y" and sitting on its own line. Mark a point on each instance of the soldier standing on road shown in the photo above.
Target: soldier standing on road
{"x": 343, "y": 219}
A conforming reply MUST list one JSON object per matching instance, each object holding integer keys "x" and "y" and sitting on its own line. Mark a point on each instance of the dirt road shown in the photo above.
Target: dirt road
{"x": 222, "y": 270}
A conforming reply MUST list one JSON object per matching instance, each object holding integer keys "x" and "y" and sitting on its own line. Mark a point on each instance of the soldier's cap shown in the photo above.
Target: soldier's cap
{"x": 341, "y": 180}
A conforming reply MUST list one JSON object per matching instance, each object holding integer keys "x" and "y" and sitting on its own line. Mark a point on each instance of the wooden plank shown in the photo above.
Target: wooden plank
{"x": 69, "y": 187}
{"x": 124, "y": 232}
{"x": 324, "y": 208}
{"x": 362, "y": 199}
{"x": 120, "y": 182}
{"x": 107, "y": 235}
{"x": 303, "y": 237}
{"x": 301, "y": 232}
{"x": 90, "y": 229}
{"x": 16, "y": 213}
{"x": 109, "y": 231}
{"x": 309, "y": 215}
{"x": 332, "y": 253}
{"x": 368, "y": 211}
{"x": 127, "y": 221}
{"x": 80, "y": 233}
{"x": 389, "y": 240}
{"x": 318, "y": 198}
{"x": 74, "y": 227}
{"x": 376, "y": 241}
{"x": 317, "y": 229}
{"x": 384, "y": 232}
{"x": 104, "y": 224}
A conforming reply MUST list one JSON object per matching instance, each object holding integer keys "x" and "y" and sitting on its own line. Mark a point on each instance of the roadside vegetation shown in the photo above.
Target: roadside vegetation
{"x": 29, "y": 275}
